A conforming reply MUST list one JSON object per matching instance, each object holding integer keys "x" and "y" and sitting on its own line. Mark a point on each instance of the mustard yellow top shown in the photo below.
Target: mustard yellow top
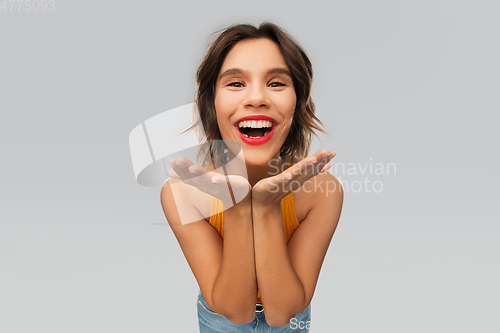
{"x": 290, "y": 222}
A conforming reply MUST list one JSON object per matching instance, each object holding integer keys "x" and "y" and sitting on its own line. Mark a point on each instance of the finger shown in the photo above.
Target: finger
{"x": 333, "y": 153}
{"x": 181, "y": 165}
{"x": 300, "y": 167}
{"x": 218, "y": 179}
{"x": 310, "y": 160}
{"x": 322, "y": 166}
{"x": 182, "y": 172}
{"x": 326, "y": 167}
{"x": 322, "y": 153}
{"x": 325, "y": 153}
{"x": 307, "y": 168}
{"x": 171, "y": 173}
{"x": 203, "y": 174}
{"x": 183, "y": 162}
{"x": 324, "y": 157}
{"x": 197, "y": 169}
{"x": 282, "y": 177}
{"x": 179, "y": 168}
{"x": 327, "y": 160}
{"x": 311, "y": 165}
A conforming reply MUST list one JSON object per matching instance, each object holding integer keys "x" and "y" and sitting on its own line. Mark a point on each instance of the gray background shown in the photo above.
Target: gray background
{"x": 84, "y": 248}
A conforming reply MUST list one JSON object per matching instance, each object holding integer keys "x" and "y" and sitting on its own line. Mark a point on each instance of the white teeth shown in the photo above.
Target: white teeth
{"x": 255, "y": 124}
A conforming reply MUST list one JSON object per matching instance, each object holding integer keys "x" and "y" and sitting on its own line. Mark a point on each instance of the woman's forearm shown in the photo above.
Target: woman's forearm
{"x": 281, "y": 290}
{"x": 235, "y": 289}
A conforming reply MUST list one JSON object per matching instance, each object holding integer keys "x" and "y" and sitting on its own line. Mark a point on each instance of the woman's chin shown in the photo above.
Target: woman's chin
{"x": 257, "y": 160}
{"x": 258, "y": 156}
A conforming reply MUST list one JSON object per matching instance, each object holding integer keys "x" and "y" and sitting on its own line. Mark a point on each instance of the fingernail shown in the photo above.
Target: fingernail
{"x": 179, "y": 163}
{"x": 312, "y": 162}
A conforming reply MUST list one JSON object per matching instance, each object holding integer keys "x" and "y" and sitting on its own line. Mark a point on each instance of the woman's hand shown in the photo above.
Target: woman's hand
{"x": 269, "y": 191}
{"x": 230, "y": 189}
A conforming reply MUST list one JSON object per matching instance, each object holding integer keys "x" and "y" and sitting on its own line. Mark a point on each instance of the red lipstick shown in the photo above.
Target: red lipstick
{"x": 256, "y": 141}
{"x": 257, "y": 117}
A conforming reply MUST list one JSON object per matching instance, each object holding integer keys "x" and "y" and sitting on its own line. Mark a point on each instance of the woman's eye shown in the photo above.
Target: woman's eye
{"x": 235, "y": 84}
{"x": 241, "y": 85}
{"x": 277, "y": 84}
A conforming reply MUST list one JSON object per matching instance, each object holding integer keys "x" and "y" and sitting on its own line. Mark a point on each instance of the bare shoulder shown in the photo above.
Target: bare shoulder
{"x": 168, "y": 201}
{"x": 325, "y": 191}
{"x": 180, "y": 201}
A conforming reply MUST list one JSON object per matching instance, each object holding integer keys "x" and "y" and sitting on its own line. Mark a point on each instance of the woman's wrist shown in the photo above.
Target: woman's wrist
{"x": 242, "y": 208}
{"x": 264, "y": 211}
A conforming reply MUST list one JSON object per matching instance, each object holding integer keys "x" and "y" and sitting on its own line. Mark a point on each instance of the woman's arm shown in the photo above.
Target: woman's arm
{"x": 280, "y": 288}
{"x": 287, "y": 273}
{"x": 234, "y": 292}
{"x": 224, "y": 268}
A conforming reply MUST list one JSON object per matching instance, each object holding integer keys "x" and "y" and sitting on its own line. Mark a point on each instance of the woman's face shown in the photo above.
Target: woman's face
{"x": 255, "y": 99}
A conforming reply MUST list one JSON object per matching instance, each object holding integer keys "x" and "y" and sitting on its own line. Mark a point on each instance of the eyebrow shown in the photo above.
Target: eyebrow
{"x": 276, "y": 70}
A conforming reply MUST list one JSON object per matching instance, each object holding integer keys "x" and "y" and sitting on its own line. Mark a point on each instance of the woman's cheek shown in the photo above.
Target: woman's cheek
{"x": 293, "y": 103}
{"x": 288, "y": 102}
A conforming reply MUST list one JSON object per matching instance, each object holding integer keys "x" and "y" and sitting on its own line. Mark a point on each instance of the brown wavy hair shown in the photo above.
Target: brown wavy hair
{"x": 298, "y": 142}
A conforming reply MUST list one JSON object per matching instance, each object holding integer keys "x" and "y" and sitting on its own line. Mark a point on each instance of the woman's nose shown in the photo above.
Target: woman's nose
{"x": 256, "y": 97}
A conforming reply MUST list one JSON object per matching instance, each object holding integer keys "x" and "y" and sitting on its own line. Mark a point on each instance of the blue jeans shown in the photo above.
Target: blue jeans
{"x": 213, "y": 322}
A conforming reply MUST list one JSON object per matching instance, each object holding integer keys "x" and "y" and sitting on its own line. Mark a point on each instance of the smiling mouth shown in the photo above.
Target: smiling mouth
{"x": 255, "y": 129}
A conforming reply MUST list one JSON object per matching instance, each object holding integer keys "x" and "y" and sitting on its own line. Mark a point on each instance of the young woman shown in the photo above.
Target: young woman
{"x": 256, "y": 250}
